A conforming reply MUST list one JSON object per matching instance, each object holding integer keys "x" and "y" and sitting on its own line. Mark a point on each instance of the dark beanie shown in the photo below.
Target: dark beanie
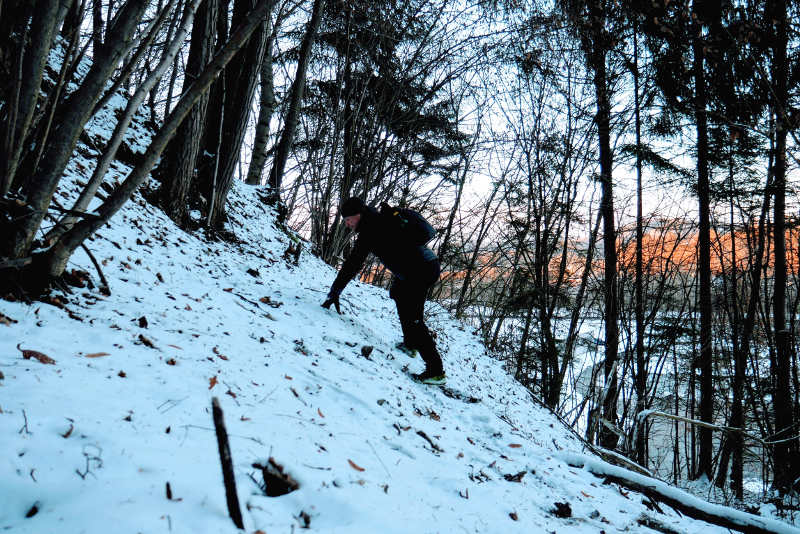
{"x": 351, "y": 206}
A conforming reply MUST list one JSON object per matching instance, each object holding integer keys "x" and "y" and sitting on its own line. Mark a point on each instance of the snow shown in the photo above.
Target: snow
{"x": 91, "y": 441}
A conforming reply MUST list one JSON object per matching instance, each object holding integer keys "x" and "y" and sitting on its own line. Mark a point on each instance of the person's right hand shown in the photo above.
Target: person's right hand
{"x": 332, "y": 299}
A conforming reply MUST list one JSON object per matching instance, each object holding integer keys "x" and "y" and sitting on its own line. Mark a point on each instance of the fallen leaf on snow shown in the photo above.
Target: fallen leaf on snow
{"x": 212, "y": 382}
{"x": 97, "y": 354}
{"x": 42, "y": 358}
{"x": 355, "y": 466}
{"x": 514, "y": 445}
{"x": 515, "y": 478}
{"x": 320, "y": 413}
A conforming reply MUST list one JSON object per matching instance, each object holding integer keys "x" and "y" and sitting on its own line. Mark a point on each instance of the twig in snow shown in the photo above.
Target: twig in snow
{"x": 429, "y": 440}
{"x": 172, "y": 404}
{"x": 379, "y": 459}
{"x": 25, "y": 426}
{"x": 105, "y": 288}
{"x": 227, "y": 465}
{"x": 257, "y": 440}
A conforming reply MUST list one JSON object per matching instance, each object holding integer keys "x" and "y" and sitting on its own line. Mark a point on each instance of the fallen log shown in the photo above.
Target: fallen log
{"x": 680, "y": 500}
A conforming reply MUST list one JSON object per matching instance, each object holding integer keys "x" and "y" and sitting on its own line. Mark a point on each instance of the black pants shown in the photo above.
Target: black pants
{"x": 409, "y": 294}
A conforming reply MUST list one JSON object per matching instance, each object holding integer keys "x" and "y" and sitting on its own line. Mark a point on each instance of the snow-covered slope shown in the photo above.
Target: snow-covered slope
{"x": 116, "y": 435}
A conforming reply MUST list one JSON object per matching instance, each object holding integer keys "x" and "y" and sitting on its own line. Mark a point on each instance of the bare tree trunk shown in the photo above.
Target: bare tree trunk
{"x": 706, "y": 362}
{"x": 175, "y": 62}
{"x": 267, "y": 107}
{"x": 53, "y": 261}
{"x": 177, "y": 167}
{"x": 76, "y": 111}
{"x": 125, "y": 120}
{"x": 241, "y": 77}
{"x": 572, "y": 333}
{"x": 641, "y": 362}
{"x": 97, "y": 27}
{"x": 470, "y": 267}
{"x": 46, "y": 19}
{"x": 72, "y": 21}
{"x": 296, "y": 92}
{"x": 597, "y": 60}
{"x": 466, "y": 161}
{"x": 786, "y": 446}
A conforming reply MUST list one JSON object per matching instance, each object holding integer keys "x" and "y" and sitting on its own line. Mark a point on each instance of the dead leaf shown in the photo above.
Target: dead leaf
{"x": 146, "y": 342}
{"x": 355, "y": 466}
{"x": 42, "y": 358}
{"x": 172, "y": 361}
{"x": 586, "y": 494}
{"x": 222, "y": 357}
{"x": 212, "y": 382}
{"x": 187, "y": 308}
{"x": 228, "y": 289}
{"x": 97, "y": 354}
{"x": 175, "y": 347}
{"x": 515, "y": 478}
{"x": 122, "y": 374}
{"x": 320, "y": 413}
{"x": 287, "y": 377}
{"x": 68, "y": 433}
{"x": 514, "y": 516}
{"x": 514, "y": 445}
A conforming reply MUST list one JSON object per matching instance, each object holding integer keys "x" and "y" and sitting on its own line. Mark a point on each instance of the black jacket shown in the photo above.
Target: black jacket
{"x": 378, "y": 234}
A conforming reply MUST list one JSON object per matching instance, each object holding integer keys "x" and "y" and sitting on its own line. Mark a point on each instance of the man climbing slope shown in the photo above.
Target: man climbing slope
{"x": 399, "y": 243}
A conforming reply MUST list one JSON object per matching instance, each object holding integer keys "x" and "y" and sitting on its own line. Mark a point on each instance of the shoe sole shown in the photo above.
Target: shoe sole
{"x": 434, "y": 382}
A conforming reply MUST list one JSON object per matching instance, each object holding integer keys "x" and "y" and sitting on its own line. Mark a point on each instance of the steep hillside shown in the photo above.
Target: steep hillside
{"x": 115, "y": 433}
